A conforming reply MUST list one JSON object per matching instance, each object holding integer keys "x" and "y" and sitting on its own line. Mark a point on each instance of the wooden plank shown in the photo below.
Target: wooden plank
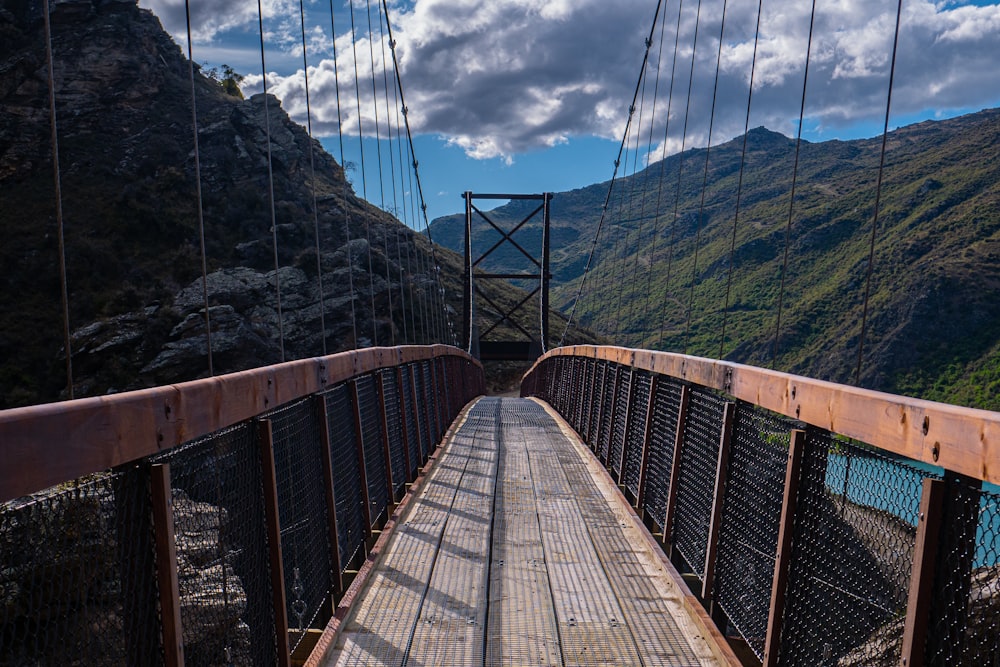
{"x": 273, "y": 521}
{"x": 675, "y": 464}
{"x": 647, "y": 436}
{"x": 965, "y": 440}
{"x": 721, "y": 476}
{"x": 95, "y": 434}
{"x": 783, "y": 558}
{"x": 333, "y": 535}
{"x": 166, "y": 565}
{"x": 922, "y": 574}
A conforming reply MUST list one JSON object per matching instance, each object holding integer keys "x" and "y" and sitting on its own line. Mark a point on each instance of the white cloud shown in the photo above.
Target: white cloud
{"x": 504, "y": 77}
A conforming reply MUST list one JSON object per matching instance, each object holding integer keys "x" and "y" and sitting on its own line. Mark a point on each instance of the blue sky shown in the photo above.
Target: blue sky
{"x": 532, "y": 95}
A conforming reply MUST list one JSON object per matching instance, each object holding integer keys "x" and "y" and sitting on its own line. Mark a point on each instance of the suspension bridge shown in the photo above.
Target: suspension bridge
{"x": 371, "y": 506}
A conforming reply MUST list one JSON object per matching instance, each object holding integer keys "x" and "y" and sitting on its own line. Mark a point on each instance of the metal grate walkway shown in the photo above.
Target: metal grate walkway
{"x": 515, "y": 551}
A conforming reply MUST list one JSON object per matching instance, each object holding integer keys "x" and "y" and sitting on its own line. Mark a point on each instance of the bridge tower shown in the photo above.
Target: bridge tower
{"x": 530, "y": 344}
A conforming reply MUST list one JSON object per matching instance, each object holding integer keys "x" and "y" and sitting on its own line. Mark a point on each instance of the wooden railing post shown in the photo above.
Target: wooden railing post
{"x": 273, "y": 522}
{"x": 647, "y": 436}
{"x": 922, "y": 573}
{"x": 721, "y": 476}
{"x": 333, "y": 535}
{"x": 783, "y": 558}
{"x": 166, "y": 565}
{"x": 675, "y": 465}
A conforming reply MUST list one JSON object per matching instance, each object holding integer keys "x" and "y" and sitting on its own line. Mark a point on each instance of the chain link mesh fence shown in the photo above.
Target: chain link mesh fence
{"x": 852, "y": 554}
{"x": 222, "y": 551}
{"x": 76, "y": 575}
{"x": 696, "y": 480}
{"x": 666, "y": 411}
{"x": 751, "y": 515}
{"x": 605, "y": 423}
{"x": 394, "y": 428}
{"x": 372, "y": 446}
{"x": 636, "y": 431}
{"x": 620, "y": 422}
{"x": 965, "y": 618}
{"x": 303, "y": 515}
{"x": 346, "y": 473}
{"x": 410, "y": 424}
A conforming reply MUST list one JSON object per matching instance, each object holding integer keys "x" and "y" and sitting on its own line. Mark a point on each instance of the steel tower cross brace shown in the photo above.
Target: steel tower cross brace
{"x": 532, "y": 345}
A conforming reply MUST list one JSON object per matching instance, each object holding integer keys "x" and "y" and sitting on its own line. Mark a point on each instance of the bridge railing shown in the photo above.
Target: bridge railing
{"x": 821, "y": 524}
{"x": 213, "y": 522}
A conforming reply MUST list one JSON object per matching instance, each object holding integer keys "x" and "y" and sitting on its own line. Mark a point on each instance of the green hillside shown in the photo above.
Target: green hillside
{"x": 934, "y": 318}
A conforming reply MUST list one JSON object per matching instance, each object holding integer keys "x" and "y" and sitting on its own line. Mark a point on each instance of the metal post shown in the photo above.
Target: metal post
{"x": 274, "y": 541}
{"x": 166, "y": 565}
{"x": 359, "y": 445}
{"x": 922, "y": 574}
{"x": 333, "y": 536}
{"x": 783, "y": 558}
{"x": 721, "y": 476}
{"x": 647, "y": 437}
{"x": 675, "y": 464}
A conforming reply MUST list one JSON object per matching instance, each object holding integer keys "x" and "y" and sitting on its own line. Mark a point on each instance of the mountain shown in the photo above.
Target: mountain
{"x": 133, "y": 258}
{"x": 934, "y": 318}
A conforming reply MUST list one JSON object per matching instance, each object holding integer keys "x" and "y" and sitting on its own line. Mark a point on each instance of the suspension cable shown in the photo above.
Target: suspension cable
{"x": 704, "y": 181}
{"x": 381, "y": 173}
{"x": 57, "y": 181}
{"x": 406, "y": 216}
{"x": 445, "y": 318}
{"x": 739, "y": 186}
{"x": 364, "y": 178}
{"x": 270, "y": 184}
{"x": 392, "y": 179}
{"x": 663, "y": 166}
{"x": 791, "y": 201}
{"x": 197, "y": 180}
{"x": 642, "y": 211}
{"x": 347, "y": 215}
{"x": 312, "y": 180}
{"x": 878, "y": 195}
{"x": 680, "y": 158}
{"x": 614, "y": 176}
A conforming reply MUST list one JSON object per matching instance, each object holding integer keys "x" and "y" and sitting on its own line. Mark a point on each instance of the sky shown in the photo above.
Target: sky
{"x": 534, "y": 95}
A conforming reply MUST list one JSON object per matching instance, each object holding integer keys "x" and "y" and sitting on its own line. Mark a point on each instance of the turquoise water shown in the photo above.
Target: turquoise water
{"x": 887, "y": 485}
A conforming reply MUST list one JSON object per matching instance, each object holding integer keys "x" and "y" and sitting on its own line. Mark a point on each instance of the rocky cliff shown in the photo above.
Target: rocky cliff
{"x": 123, "y": 107}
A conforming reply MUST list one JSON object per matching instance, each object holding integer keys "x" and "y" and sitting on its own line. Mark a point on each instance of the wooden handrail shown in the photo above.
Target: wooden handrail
{"x": 45, "y": 445}
{"x": 965, "y": 440}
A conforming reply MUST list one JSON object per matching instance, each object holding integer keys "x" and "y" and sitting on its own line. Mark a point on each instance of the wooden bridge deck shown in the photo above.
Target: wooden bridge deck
{"x": 518, "y": 550}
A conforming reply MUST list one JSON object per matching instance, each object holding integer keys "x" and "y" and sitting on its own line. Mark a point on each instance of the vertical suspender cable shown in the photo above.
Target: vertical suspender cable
{"x": 618, "y": 258}
{"x": 680, "y": 157}
{"x": 704, "y": 180}
{"x": 445, "y": 327}
{"x": 878, "y": 195}
{"x": 197, "y": 180}
{"x": 57, "y": 181}
{"x": 364, "y": 178}
{"x": 739, "y": 186}
{"x": 607, "y": 199}
{"x": 348, "y": 250}
{"x": 642, "y": 210}
{"x": 791, "y": 200}
{"x": 312, "y": 179}
{"x": 270, "y": 182}
{"x": 402, "y": 188}
{"x": 381, "y": 177}
{"x": 663, "y": 169}
{"x": 392, "y": 179}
